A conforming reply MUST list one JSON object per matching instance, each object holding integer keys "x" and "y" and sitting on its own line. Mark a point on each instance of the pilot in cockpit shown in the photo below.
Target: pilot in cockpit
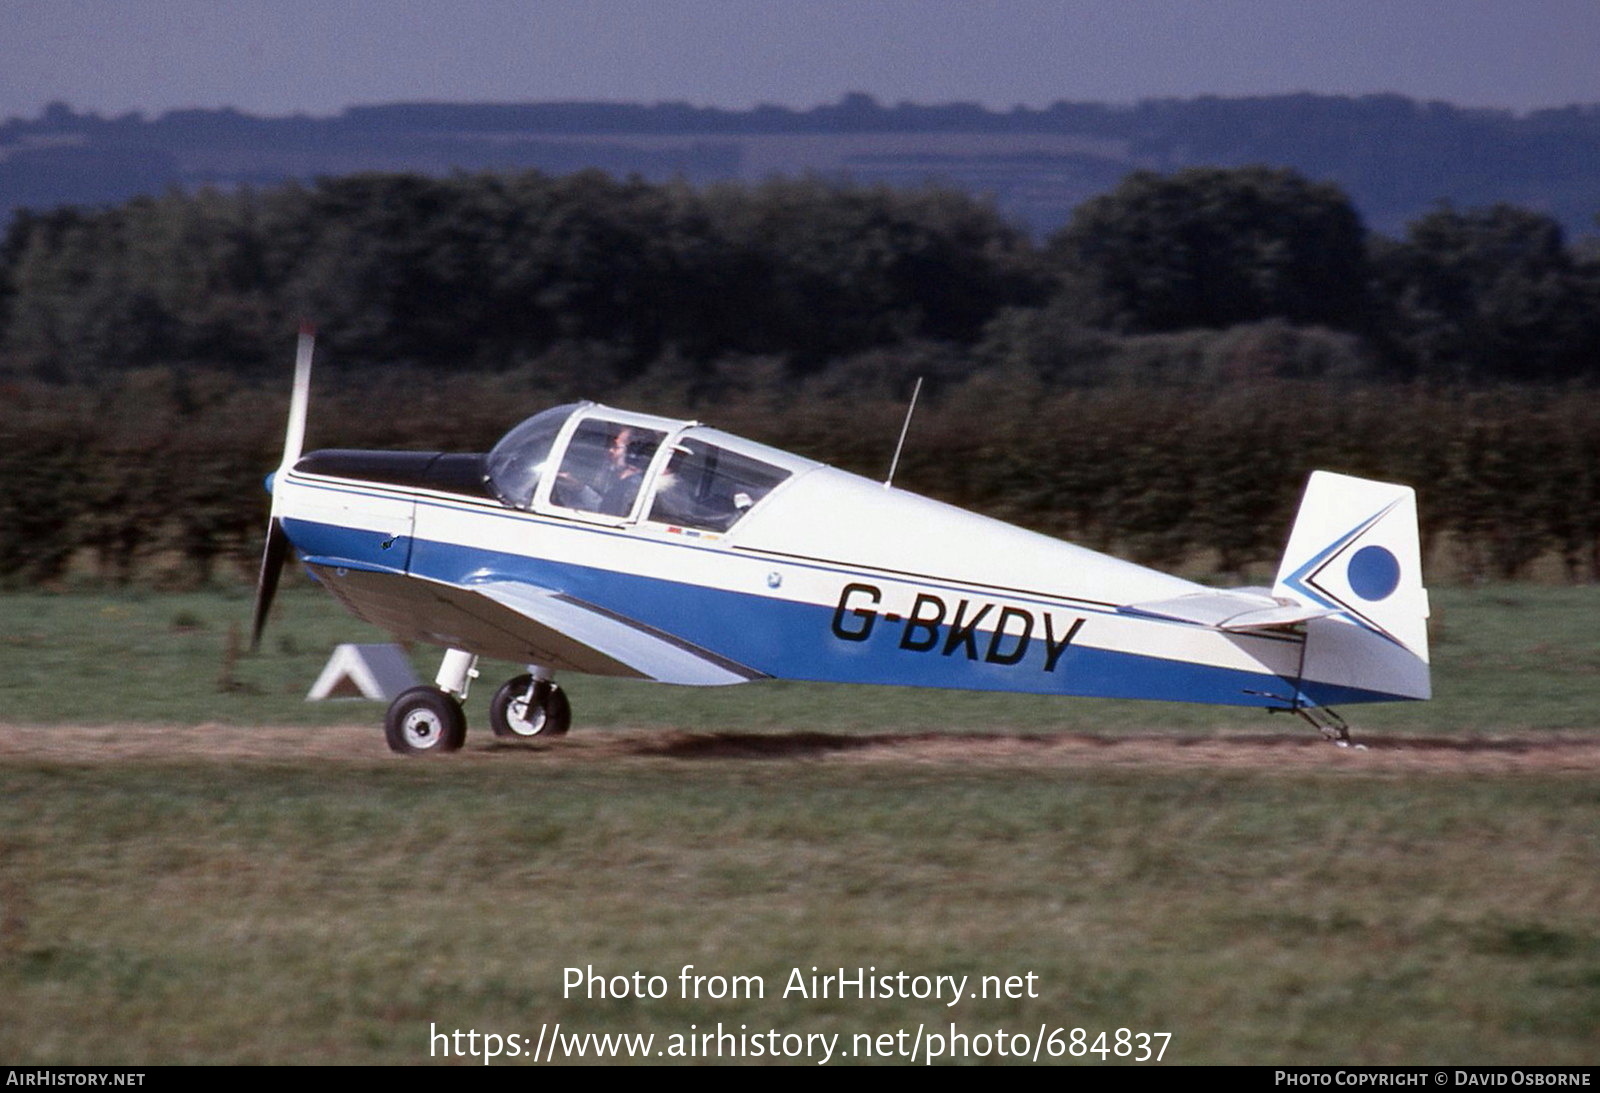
{"x": 604, "y": 468}
{"x": 619, "y": 480}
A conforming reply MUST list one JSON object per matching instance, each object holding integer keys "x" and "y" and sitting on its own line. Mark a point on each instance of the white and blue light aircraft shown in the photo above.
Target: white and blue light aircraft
{"x": 600, "y": 541}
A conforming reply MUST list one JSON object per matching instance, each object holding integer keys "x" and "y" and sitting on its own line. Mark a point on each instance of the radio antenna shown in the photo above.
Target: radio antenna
{"x": 895, "y": 462}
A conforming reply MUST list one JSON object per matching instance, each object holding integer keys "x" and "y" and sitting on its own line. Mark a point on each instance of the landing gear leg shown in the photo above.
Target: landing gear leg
{"x": 456, "y": 673}
{"x": 428, "y": 720}
{"x": 530, "y": 705}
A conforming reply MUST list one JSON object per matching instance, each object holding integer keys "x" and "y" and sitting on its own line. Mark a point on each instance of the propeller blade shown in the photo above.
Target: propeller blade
{"x": 300, "y": 396}
{"x": 277, "y": 545}
{"x": 272, "y": 558}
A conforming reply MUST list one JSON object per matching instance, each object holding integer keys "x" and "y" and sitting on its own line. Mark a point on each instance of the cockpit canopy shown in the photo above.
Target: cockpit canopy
{"x": 518, "y": 461}
{"x": 592, "y": 462}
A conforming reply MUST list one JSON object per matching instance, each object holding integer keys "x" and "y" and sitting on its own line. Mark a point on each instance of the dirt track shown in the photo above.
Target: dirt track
{"x": 1572, "y": 754}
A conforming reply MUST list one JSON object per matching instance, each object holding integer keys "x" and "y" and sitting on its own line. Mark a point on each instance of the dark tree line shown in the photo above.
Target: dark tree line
{"x": 488, "y": 271}
{"x": 1491, "y": 294}
{"x": 494, "y": 271}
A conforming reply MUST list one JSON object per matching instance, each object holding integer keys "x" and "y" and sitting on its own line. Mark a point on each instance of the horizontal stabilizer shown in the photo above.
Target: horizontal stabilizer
{"x": 1229, "y": 610}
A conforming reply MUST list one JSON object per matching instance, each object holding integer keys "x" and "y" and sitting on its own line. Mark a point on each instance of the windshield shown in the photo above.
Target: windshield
{"x": 518, "y": 462}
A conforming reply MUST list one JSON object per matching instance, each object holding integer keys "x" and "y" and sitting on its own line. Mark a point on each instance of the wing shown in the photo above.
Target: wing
{"x": 526, "y": 624}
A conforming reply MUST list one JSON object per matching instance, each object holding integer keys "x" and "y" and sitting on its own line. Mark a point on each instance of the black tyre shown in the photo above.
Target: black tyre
{"x": 513, "y": 713}
{"x": 425, "y": 721}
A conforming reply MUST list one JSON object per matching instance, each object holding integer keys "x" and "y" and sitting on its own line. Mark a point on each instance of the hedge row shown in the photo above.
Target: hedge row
{"x": 162, "y": 472}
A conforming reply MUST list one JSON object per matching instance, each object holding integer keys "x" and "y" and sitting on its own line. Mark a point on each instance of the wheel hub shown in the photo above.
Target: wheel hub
{"x": 520, "y": 720}
{"x": 421, "y": 728}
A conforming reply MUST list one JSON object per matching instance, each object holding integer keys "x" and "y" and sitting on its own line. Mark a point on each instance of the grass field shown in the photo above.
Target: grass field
{"x": 277, "y": 904}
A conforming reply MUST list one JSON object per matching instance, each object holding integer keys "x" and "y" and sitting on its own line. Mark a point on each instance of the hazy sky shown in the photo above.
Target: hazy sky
{"x": 318, "y": 56}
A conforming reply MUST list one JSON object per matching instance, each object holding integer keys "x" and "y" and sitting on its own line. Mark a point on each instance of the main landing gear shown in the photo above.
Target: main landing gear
{"x": 429, "y": 719}
{"x": 530, "y": 705}
{"x": 425, "y": 720}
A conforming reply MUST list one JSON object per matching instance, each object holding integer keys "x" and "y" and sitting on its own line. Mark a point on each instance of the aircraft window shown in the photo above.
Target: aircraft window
{"x": 710, "y": 488}
{"x": 604, "y": 466}
{"x": 518, "y": 461}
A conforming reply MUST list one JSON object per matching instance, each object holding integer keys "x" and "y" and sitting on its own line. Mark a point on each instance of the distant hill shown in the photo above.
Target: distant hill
{"x": 1395, "y": 157}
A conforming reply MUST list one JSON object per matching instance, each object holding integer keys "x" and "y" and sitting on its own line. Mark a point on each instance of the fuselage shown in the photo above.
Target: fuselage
{"x": 812, "y": 574}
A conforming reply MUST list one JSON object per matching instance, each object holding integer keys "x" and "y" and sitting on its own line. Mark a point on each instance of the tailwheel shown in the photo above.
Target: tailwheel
{"x": 1333, "y": 728}
{"x": 527, "y": 706}
{"x": 425, "y": 721}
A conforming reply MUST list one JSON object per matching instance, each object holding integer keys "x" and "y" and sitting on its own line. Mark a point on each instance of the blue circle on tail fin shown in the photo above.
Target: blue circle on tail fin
{"x": 1374, "y": 573}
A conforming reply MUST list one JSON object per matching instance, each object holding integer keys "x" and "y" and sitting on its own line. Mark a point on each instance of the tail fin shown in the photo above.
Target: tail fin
{"x": 1355, "y": 550}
